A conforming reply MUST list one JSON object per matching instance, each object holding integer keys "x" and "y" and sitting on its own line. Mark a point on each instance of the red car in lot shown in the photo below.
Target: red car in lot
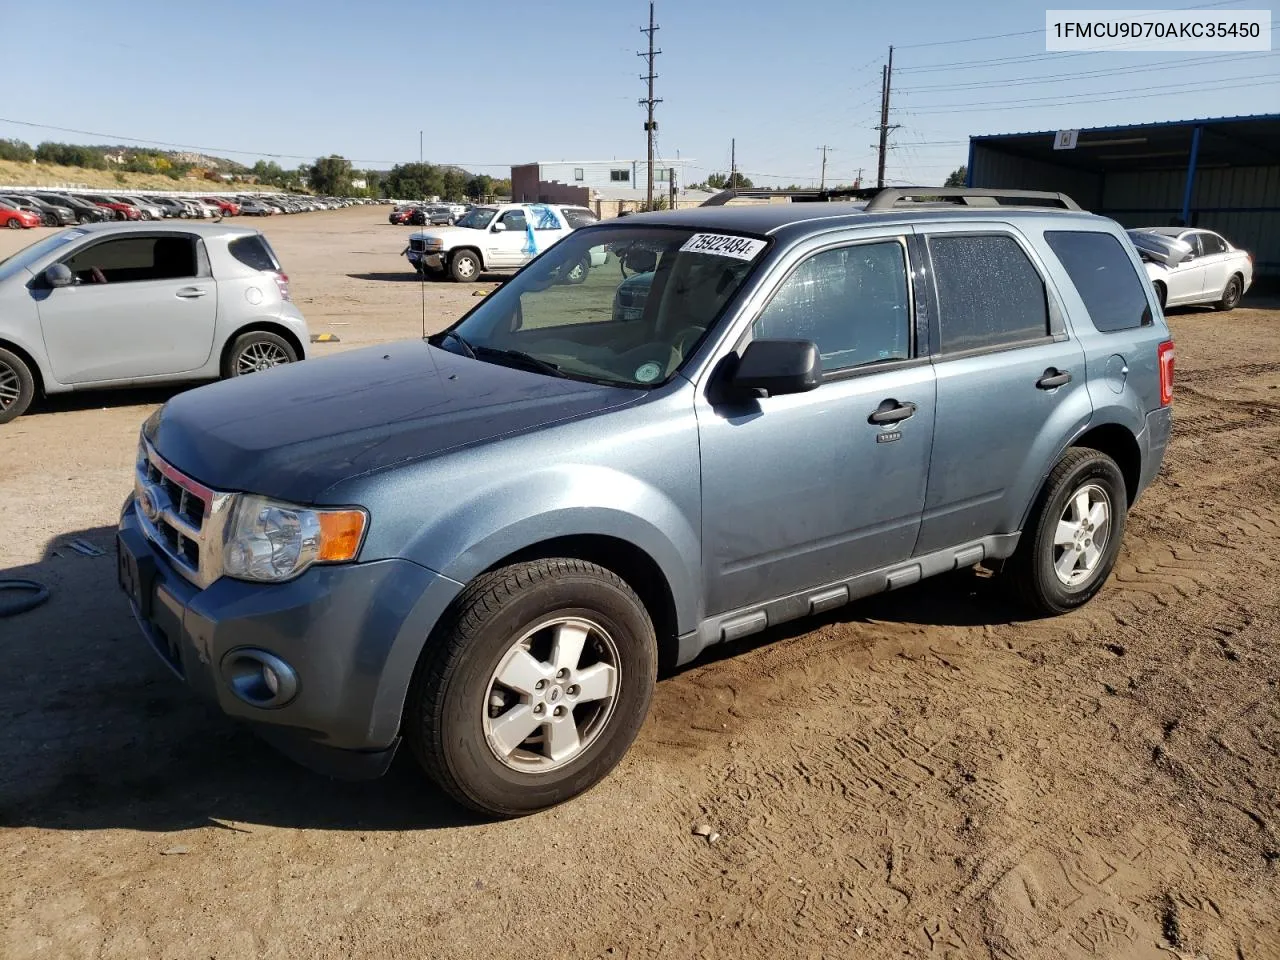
{"x": 15, "y": 219}
{"x": 123, "y": 211}
{"x": 229, "y": 208}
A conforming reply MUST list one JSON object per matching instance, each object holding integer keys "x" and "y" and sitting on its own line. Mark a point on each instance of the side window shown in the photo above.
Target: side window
{"x": 620, "y": 176}
{"x": 1104, "y": 276}
{"x": 1211, "y": 243}
{"x": 514, "y": 220}
{"x": 1193, "y": 241}
{"x": 133, "y": 259}
{"x": 989, "y": 293}
{"x": 579, "y": 217}
{"x": 544, "y": 218}
{"x": 852, "y": 302}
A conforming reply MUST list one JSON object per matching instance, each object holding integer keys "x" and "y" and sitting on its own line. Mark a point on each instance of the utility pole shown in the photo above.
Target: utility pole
{"x": 858, "y": 182}
{"x": 650, "y": 127}
{"x": 419, "y": 146}
{"x": 733, "y": 164}
{"x": 884, "y": 128}
{"x": 822, "y": 184}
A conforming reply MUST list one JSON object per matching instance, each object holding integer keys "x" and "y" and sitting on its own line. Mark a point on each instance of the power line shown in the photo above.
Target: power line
{"x": 1084, "y": 101}
{"x": 1088, "y": 74}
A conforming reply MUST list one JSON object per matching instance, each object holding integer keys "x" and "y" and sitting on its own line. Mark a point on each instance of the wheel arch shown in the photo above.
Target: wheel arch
{"x": 469, "y": 248}
{"x": 635, "y": 566}
{"x": 267, "y": 326}
{"x": 27, "y": 357}
{"x": 1119, "y": 443}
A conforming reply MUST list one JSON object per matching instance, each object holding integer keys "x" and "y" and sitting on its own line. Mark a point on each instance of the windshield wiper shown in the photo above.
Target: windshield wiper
{"x": 466, "y": 347}
{"x": 528, "y": 359}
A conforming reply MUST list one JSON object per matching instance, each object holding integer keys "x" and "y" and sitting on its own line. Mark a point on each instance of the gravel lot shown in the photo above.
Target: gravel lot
{"x": 922, "y": 774}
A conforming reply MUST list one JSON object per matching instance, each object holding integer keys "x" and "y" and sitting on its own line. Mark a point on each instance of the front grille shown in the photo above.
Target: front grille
{"x": 417, "y": 244}
{"x": 181, "y": 516}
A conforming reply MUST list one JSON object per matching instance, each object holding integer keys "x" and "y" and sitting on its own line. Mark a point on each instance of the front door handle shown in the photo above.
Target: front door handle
{"x": 1052, "y": 378}
{"x": 891, "y": 411}
{"x": 190, "y": 293}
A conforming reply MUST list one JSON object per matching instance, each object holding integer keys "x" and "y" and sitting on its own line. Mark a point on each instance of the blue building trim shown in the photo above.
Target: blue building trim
{"x": 1191, "y": 176}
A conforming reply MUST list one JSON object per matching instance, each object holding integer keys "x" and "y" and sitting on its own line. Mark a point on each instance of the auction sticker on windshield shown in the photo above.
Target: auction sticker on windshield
{"x": 723, "y": 245}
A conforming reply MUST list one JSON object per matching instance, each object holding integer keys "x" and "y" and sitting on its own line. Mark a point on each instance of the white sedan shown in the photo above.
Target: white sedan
{"x": 1189, "y": 266}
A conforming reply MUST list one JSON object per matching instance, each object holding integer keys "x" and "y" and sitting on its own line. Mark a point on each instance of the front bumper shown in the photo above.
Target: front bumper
{"x": 351, "y": 633}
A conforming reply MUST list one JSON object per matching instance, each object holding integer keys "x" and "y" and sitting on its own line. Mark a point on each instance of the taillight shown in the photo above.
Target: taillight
{"x": 1165, "y": 358}
{"x": 282, "y": 283}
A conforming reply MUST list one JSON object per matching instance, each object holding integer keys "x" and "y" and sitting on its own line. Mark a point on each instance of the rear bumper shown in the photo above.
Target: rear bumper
{"x": 1154, "y": 440}
{"x": 351, "y": 634}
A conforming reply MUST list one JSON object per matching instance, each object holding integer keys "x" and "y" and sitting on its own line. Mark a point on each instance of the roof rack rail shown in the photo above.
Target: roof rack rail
{"x": 889, "y": 198}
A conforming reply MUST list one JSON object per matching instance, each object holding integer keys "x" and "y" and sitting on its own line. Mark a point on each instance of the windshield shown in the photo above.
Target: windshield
{"x": 29, "y": 255}
{"x": 621, "y": 305}
{"x": 477, "y": 218}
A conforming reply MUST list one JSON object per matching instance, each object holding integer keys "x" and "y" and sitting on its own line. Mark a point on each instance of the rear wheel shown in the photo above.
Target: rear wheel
{"x": 1231, "y": 295}
{"x": 256, "y": 351}
{"x": 1072, "y": 540}
{"x": 17, "y": 386}
{"x": 464, "y": 266}
{"x": 1161, "y": 294}
{"x": 580, "y": 270}
{"x": 535, "y": 687}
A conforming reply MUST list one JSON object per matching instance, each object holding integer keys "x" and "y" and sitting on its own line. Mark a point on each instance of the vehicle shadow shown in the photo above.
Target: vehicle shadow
{"x": 100, "y": 735}
{"x": 93, "y": 399}
{"x": 402, "y": 276}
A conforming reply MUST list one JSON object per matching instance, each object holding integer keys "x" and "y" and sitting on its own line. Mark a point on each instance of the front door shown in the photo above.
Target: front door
{"x": 1011, "y": 385}
{"x": 506, "y": 247}
{"x": 141, "y": 306}
{"x": 803, "y": 490}
{"x": 1216, "y": 262}
{"x": 1186, "y": 280}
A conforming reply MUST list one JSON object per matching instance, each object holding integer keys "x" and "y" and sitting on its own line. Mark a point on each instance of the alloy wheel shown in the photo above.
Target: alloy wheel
{"x": 1081, "y": 536}
{"x": 10, "y": 386}
{"x": 552, "y": 694}
{"x": 262, "y": 355}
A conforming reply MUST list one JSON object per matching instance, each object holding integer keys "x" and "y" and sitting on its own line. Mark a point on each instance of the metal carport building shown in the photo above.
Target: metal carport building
{"x": 1221, "y": 173}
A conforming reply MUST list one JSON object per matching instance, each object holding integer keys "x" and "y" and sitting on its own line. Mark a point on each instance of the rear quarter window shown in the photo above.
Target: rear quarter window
{"x": 578, "y": 217}
{"x": 254, "y": 252}
{"x": 990, "y": 295}
{"x": 1105, "y": 278}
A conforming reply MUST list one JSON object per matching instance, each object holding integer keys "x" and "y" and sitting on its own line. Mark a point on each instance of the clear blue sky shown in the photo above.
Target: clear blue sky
{"x": 495, "y": 83}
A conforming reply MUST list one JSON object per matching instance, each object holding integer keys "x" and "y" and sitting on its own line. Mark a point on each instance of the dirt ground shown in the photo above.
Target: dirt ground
{"x": 923, "y": 774}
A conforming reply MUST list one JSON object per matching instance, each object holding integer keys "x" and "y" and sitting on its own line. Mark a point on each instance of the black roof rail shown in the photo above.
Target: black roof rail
{"x": 888, "y": 199}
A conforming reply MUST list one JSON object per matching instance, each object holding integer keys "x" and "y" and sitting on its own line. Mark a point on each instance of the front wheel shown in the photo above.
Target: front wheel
{"x": 534, "y": 688}
{"x": 256, "y": 351}
{"x": 1073, "y": 537}
{"x": 14, "y": 223}
{"x": 464, "y": 266}
{"x": 1231, "y": 295}
{"x": 17, "y": 386}
{"x": 146, "y": 215}
{"x": 578, "y": 273}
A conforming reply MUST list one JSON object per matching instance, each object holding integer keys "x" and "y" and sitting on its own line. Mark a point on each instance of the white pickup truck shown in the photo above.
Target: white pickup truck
{"x": 496, "y": 239}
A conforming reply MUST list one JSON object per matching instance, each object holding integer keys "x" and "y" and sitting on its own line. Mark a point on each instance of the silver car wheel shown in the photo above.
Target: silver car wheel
{"x": 259, "y": 356}
{"x": 552, "y": 694}
{"x": 1081, "y": 537}
{"x": 10, "y": 386}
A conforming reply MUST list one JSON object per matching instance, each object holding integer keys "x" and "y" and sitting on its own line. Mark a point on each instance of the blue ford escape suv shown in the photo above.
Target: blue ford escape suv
{"x": 488, "y": 542}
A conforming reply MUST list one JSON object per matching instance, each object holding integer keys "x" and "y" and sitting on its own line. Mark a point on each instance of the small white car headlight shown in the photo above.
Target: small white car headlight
{"x": 269, "y": 541}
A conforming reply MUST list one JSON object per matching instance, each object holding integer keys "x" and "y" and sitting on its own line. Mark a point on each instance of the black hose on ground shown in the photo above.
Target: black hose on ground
{"x": 30, "y": 595}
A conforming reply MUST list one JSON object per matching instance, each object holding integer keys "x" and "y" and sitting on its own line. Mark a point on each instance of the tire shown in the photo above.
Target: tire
{"x": 456, "y": 703}
{"x": 1231, "y": 295}
{"x": 17, "y": 386}
{"x": 255, "y": 351}
{"x": 146, "y": 215}
{"x": 1046, "y": 544}
{"x": 581, "y": 270}
{"x": 14, "y": 223}
{"x": 1162, "y": 294}
{"x": 465, "y": 266}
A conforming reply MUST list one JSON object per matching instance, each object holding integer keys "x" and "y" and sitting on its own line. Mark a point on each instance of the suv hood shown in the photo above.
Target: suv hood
{"x": 293, "y": 432}
{"x": 446, "y": 233}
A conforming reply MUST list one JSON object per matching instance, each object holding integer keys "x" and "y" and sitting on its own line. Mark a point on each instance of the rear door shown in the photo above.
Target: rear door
{"x": 142, "y": 306}
{"x": 1011, "y": 382}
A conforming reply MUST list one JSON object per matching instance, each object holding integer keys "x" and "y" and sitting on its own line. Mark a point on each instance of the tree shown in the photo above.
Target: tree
{"x": 720, "y": 181}
{"x": 415, "y": 181}
{"x": 479, "y": 187}
{"x": 957, "y": 177}
{"x": 454, "y": 184}
{"x": 16, "y": 150}
{"x": 330, "y": 176}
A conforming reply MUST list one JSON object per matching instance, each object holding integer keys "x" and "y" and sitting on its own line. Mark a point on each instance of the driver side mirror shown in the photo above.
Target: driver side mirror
{"x": 779, "y": 367}
{"x": 59, "y": 275}
{"x": 499, "y": 227}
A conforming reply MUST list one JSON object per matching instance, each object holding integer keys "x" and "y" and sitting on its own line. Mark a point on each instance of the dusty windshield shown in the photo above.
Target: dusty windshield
{"x": 624, "y": 305}
{"x": 477, "y": 218}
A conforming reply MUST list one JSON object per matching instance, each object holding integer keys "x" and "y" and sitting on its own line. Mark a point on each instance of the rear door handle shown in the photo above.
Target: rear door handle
{"x": 891, "y": 411}
{"x": 190, "y": 293}
{"x": 1053, "y": 377}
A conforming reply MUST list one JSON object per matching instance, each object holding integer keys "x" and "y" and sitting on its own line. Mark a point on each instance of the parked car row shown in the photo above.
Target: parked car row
{"x": 26, "y": 208}
{"x": 428, "y": 214}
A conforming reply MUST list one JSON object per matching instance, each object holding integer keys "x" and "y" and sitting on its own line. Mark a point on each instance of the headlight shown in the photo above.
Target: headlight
{"x": 433, "y": 243}
{"x": 268, "y": 541}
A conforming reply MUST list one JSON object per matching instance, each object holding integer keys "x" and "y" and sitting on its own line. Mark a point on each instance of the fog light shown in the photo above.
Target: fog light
{"x": 259, "y": 678}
